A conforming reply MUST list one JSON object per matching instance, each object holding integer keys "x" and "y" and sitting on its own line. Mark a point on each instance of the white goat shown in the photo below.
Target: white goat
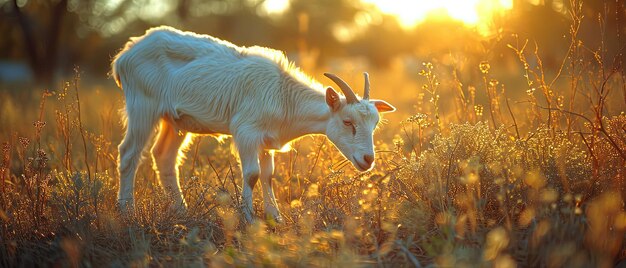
{"x": 202, "y": 85}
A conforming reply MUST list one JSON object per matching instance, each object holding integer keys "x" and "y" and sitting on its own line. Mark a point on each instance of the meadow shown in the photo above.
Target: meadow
{"x": 477, "y": 168}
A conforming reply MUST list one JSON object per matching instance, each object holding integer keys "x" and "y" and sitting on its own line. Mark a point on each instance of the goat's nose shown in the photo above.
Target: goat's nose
{"x": 369, "y": 159}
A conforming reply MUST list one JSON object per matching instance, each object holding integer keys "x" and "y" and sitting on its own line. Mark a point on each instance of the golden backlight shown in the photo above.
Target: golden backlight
{"x": 410, "y": 13}
{"x": 413, "y": 12}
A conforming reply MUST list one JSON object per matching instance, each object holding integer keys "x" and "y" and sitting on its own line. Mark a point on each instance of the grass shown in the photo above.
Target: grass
{"x": 468, "y": 174}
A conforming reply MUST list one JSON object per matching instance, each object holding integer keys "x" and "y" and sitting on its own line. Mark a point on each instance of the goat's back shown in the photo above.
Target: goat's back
{"x": 165, "y": 48}
{"x": 199, "y": 75}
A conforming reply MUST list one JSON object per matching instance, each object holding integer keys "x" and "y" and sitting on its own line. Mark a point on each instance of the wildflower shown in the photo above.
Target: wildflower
{"x": 296, "y": 203}
{"x": 484, "y": 67}
{"x": 313, "y": 190}
{"x": 478, "y": 109}
{"x": 493, "y": 82}
{"x": 24, "y": 141}
{"x": 39, "y": 125}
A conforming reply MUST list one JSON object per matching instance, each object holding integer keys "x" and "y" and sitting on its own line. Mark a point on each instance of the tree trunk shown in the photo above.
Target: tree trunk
{"x": 42, "y": 52}
{"x": 29, "y": 39}
{"x": 54, "y": 33}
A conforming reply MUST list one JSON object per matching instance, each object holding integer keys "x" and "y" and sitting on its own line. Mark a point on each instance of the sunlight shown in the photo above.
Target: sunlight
{"x": 284, "y": 149}
{"x": 410, "y": 13}
{"x": 275, "y": 6}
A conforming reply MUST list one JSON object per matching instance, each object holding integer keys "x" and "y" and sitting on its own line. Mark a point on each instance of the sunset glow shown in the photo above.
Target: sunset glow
{"x": 471, "y": 12}
{"x": 410, "y": 13}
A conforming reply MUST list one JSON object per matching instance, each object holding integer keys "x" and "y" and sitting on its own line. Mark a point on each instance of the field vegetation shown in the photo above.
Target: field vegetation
{"x": 477, "y": 168}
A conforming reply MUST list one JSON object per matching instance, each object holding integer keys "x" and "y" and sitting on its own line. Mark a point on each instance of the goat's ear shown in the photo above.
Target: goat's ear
{"x": 383, "y": 106}
{"x": 332, "y": 99}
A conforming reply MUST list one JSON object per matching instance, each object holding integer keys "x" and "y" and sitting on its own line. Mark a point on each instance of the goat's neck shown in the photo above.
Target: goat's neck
{"x": 310, "y": 117}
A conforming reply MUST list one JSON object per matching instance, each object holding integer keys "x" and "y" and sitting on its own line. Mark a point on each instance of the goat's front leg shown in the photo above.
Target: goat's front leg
{"x": 250, "y": 170}
{"x": 266, "y": 161}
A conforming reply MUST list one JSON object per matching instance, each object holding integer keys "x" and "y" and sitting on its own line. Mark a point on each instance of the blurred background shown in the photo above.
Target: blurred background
{"x": 466, "y": 44}
{"x": 511, "y": 120}
{"x": 43, "y": 40}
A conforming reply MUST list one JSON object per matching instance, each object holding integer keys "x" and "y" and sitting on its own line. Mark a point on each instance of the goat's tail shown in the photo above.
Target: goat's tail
{"x": 115, "y": 69}
{"x": 118, "y": 62}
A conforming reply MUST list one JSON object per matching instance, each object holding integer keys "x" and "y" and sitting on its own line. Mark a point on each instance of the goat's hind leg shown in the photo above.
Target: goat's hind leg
{"x": 140, "y": 126}
{"x": 165, "y": 154}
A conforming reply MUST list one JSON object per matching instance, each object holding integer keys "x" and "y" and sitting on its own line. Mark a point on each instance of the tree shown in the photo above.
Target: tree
{"x": 39, "y": 30}
{"x": 41, "y": 41}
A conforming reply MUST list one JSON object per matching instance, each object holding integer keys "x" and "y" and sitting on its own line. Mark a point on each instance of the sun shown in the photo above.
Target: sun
{"x": 477, "y": 14}
{"x": 274, "y": 6}
{"x": 410, "y": 13}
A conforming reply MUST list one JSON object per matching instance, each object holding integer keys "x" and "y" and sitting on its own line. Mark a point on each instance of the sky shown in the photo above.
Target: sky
{"x": 411, "y": 13}
{"x": 476, "y": 14}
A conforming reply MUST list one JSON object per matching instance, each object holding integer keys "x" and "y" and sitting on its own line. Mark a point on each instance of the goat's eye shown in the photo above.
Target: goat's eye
{"x": 349, "y": 124}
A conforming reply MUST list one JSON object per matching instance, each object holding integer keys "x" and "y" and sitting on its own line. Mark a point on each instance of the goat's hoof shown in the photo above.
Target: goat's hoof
{"x": 248, "y": 214}
{"x": 275, "y": 219}
{"x": 248, "y": 218}
{"x": 279, "y": 220}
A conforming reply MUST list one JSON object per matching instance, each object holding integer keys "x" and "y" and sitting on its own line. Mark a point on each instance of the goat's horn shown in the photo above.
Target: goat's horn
{"x": 347, "y": 91}
{"x": 366, "y": 93}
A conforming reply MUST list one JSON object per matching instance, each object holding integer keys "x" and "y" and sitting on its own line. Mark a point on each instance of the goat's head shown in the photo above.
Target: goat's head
{"x": 352, "y": 122}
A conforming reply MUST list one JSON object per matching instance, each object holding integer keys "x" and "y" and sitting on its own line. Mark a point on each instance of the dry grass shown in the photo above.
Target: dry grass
{"x": 466, "y": 176}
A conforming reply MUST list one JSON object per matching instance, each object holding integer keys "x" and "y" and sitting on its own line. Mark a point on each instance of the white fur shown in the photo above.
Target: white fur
{"x": 199, "y": 84}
